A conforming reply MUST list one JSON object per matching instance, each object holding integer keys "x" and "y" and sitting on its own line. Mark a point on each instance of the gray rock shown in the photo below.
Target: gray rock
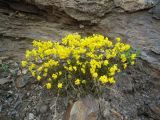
{"x": 81, "y": 10}
{"x": 135, "y": 5}
{"x": 105, "y": 108}
{"x": 20, "y": 6}
{"x": 13, "y": 71}
{"x": 155, "y": 109}
{"x": 43, "y": 108}
{"x": 125, "y": 83}
{"x": 30, "y": 116}
{"x": 154, "y": 62}
{"x": 152, "y": 110}
{"x": 156, "y": 11}
{"x": 87, "y": 10}
{"x": 24, "y": 71}
{"x": 0, "y": 108}
{"x": 84, "y": 109}
{"x": 4, "y": 80}
{"x": 4, "y": 58}
{"x": 21, "y": 81}
{"x": 156, "y": 50}
{"x": 13, "y": 113}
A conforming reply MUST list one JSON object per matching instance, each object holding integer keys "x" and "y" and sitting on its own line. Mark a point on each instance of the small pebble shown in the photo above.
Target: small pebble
{"x": 43, "y": 108}
{"x": 31, "y": 116}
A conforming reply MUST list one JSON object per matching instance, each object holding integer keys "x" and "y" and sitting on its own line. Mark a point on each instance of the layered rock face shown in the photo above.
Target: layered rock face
{"x": 89, "y": 10}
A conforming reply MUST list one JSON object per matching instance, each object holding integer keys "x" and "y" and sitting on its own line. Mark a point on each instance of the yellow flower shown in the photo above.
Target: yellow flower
{"x": 44, "y": 74}
{"x": 60, "y": 72}
{"x": 113, "y": 69}
{"x": 106, "y": 62}
{"x": 127, "y": 47}
{"x": 113, "y": 52}
{"x": 95, "y": 75}
{"x": 118, "y": 70}
{"x": 108, "y": 54}
{"x": 125, "y": 65}
{"x": 51, "y": 63}
{"x": 31, "y": 67}
{"x": 39, "y": 69}
{"x": 60, "y": 85}
{"x": 48, "y": 85}
{"x": 78, "y": 62}
{"x": 28, "y": 54}
{"x": 65, "y": 67}
{"x": 70, "y": 68}
{"x": 100, "y": 56}
{"x": 33, "y": 73}
{"x": 46, "y": 65}
{"x": 118, "y": 39}
{"x": 83, "y": 70}
{"x": 54, "y": 76}
{"x": 39, "y": 78}
{"x": 103, "y": 79}
{"x": 133, "y": 56}
{"x": 90, "y": 54}
{"x": 109, "y": 43}
{"x": 24, "y": 63}
{"x": 77, "y": 82}
{"x": 69, "y": 61}
{"x": 34, "y": 53}
{"x": 46, "y": 70}
{"x": 49, "y": 79}
{"x": 75, "y": 68}
{"x": 111, "y": 80}
{"x": 132, "y": 63}
{"x": 63, "y": 52}
{"x": 123, "y": 58}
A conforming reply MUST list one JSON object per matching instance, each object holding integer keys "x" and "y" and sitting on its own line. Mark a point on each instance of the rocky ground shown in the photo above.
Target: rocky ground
{"x": 136, "y": 96}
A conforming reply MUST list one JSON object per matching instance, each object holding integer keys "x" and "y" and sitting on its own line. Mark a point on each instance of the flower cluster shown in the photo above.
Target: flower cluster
{"x": 78, "y": 63}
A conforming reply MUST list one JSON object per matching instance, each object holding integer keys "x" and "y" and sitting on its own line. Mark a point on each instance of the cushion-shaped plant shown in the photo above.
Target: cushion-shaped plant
{"x": 78, "y": 65}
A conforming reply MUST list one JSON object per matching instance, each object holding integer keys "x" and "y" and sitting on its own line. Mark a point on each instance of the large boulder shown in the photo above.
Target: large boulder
{"x": 86, "y": 10}
{"x": 81, "y": 10}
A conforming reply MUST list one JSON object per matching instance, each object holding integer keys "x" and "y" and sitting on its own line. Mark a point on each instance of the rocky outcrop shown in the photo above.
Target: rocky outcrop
{"x": 89, "y": 10}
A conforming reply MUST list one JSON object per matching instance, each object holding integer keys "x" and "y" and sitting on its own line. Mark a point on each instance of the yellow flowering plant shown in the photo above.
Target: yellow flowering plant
{"x": 78, "y": 65}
